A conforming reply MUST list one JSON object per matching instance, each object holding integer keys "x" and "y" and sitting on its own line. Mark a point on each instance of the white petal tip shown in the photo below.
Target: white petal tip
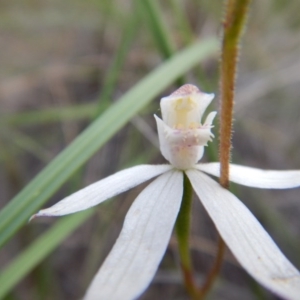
{"x": 210, "y": 118}
{"x": 32, "y": 217}
{"x": 210, "y": 96}
{"x": 41, "y": 213}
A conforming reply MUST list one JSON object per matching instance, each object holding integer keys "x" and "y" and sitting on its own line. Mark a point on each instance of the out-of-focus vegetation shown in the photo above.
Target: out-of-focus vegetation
{"x": 66, "y": 64}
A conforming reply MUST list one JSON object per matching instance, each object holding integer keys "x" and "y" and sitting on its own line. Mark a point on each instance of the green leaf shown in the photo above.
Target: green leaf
{"x": 50, "y": 115}
{"x": 158, "y": 27}
{"x": 39, "y": 249}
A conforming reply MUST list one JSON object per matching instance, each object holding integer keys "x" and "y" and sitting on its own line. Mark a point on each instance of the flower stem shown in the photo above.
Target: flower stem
{"x": 214, "y": 272}
{"x": 235, "y": 19}
{"x": 182, "y": 230}
{"x": 233, "y": 25}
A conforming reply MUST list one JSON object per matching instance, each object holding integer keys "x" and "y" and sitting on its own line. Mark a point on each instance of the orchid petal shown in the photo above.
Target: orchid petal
{"x": 253, "y": 177}
{"x": 210, "y": 118}
{"x": 164, "y": 147}
{"x": 246, "y": 238}
{"x": 135, "y": 257}
{"x": 104, "y": 189}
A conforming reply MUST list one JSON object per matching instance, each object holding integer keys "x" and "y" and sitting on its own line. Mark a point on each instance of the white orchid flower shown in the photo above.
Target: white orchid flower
{"x": 135, "y": 257}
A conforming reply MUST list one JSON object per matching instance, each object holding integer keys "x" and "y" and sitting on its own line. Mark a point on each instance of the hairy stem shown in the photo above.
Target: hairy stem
{"x": 233, "y": 25}
{"x": 235, "y": 18}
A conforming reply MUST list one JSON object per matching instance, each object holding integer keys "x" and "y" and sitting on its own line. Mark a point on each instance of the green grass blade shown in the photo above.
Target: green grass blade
{"x": 36, "y": 193}
{"x": 129, "y": 32}
{"x": 161, "y": 34}
{"x": 158, "y": 27}
{"x": 38, "y": 250}
{"x": 50, "y": 115}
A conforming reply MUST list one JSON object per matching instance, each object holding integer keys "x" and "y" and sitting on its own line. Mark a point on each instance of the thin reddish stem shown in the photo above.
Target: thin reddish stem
{"x": 233, "y": 25}
{"x": 215, "y": 270}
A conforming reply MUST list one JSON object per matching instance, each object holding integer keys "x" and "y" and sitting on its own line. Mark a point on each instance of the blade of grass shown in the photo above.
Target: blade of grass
{"x": 187, "y": 36}
{"x": 72, "y": 113}
{"x": 25, "y": 143}
{"x": 36, "y": 193}
{"x": 185, "y": 31}
{"x": 158, "y": 27}
{"x": 129, "y": 33}
{"x": 38, "y": 250}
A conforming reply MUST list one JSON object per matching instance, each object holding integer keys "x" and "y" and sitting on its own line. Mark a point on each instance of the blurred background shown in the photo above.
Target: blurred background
{"x": 64, "y": 62}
